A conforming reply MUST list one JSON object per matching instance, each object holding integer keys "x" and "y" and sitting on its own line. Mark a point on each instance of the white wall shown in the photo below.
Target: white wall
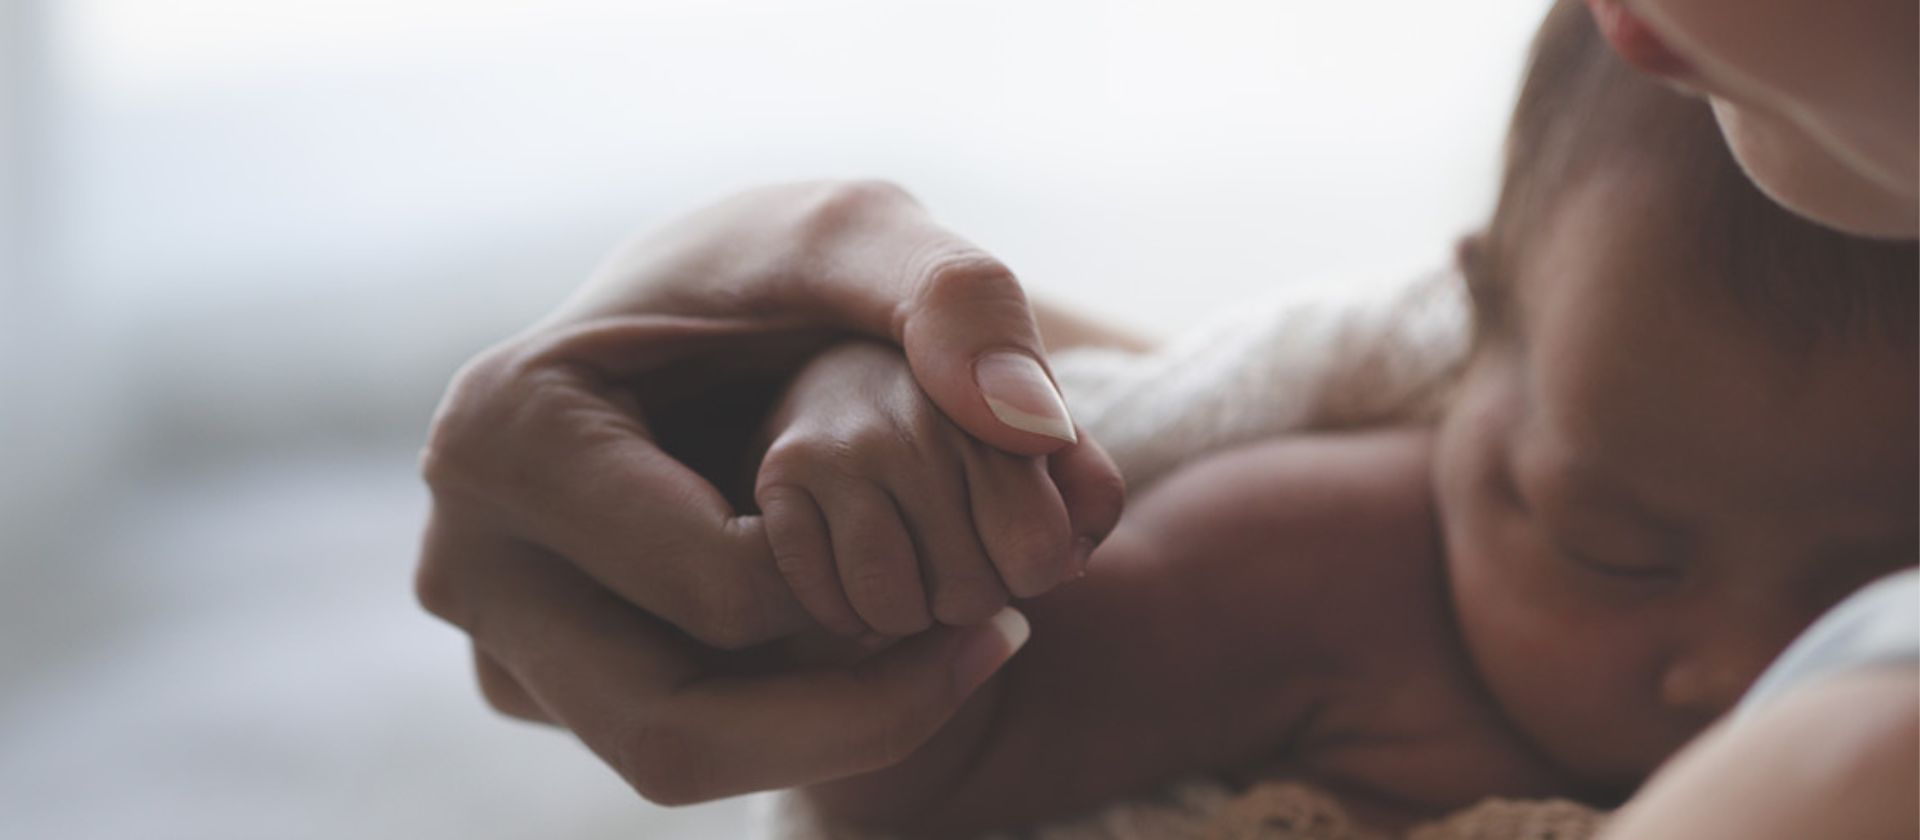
{"x": 293, "y": 218}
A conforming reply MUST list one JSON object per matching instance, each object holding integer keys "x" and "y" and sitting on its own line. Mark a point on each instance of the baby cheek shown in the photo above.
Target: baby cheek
{"x": 1574, "y": 673}
{"x": 1597, "y": 653}
{"x": 1546, "y": 615}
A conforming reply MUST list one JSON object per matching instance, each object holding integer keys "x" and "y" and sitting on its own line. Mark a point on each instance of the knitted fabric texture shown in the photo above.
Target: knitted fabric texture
{"x": 1312, "y": 357}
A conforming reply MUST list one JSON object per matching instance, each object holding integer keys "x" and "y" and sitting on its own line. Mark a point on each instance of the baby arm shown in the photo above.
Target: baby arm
{"x": 1200, "y": 642}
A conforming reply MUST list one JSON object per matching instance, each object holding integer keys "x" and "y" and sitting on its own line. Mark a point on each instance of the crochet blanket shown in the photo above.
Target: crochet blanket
{"x": 1204, "y": 810}
{"x": 1312, "y": 357}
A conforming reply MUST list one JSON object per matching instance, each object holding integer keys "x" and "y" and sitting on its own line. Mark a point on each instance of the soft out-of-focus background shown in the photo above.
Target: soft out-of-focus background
{"x": 245, "y": 242}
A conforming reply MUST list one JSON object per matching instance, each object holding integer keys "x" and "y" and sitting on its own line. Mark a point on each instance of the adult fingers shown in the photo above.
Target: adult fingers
{"x": 719, "y": 738}
{"x": 589, "y": 661}
{"x": 542, "y": 453}
{"x": 634, "y": 693}
{"x": 512, "y": 598}
{"x": 797, "y": 531}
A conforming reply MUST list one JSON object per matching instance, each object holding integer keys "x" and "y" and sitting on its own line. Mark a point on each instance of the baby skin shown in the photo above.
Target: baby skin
{"x": 1636, "y": 498}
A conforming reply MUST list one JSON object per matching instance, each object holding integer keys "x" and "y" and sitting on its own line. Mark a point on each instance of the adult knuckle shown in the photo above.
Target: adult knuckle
{"x": 959, "y": 274}
{"x": 875, "y": 190}
{"x": 859, "y": 195}
{"x": 506, "y": 697}
{"x": 441, "y": 457}
{"x": 437, "y": 580}
{"x": 463, "y": 423}
{"x": 663, "y": 761}
{"x": 434, "y": 588}
{"x": 500, "y": 700}
{"x": 836, "y": 207}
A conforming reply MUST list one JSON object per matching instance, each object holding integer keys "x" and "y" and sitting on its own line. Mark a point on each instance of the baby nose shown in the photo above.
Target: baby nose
{"x": 1709, "y": 679}
{"x": 1699, "y": 689}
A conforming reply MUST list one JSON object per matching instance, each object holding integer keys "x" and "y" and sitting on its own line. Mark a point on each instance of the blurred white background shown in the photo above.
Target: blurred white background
{"x": 246, "y": 242}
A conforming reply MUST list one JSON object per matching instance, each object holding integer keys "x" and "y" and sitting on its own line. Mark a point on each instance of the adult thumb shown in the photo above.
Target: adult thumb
{"x": 971, "y": 340}
{"x": 970, "y": 337}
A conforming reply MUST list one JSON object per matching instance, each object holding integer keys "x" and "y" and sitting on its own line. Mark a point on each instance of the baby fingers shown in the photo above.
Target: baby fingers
{"x": 878, "y": 568}
{"x": 963, "y": 587}
{"x": 1021, "y": 520}
{"x": 802, "y": 550}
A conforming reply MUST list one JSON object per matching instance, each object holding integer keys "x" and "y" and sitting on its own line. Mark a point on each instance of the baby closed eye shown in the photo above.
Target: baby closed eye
{"x": 1647, "y": 569}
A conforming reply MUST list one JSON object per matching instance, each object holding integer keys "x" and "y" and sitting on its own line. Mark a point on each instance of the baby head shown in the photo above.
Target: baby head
{"x": 1688, "y": 426}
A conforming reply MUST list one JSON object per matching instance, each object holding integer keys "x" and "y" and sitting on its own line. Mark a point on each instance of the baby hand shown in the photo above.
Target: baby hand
{"x": 884, "y": 516}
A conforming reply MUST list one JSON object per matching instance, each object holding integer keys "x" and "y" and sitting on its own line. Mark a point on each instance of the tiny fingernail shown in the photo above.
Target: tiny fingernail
{"x": 986, "y": 652}
{"x": 1018, "y": 392}
{"x": 1082, "y": 552}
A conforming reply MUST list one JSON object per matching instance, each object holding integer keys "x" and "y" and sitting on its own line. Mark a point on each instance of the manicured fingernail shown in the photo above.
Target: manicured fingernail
{"x": 983, "y": 654}
{"x": 1020, "y": 394}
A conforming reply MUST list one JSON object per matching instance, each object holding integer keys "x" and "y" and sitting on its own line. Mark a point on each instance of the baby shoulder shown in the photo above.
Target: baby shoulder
{"x": 1345, "y": 490}
{"x": 1307, "y": 544}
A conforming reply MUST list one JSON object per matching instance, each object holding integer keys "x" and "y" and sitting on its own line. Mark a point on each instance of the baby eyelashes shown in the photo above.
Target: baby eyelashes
{"x": 884, "y": 517}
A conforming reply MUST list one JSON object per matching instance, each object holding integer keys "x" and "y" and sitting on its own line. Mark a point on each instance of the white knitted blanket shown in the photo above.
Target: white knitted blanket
{"x": 1317, "y": 357}
{"x": 1311, "y": 357}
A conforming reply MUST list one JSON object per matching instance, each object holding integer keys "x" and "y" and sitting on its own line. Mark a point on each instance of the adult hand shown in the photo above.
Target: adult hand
{"x": 576, "y": 552}
{"x": 1834, "y": 757}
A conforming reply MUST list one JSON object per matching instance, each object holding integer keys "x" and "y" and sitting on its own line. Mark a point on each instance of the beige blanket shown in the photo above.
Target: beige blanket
{"x": 1203, "y": 810}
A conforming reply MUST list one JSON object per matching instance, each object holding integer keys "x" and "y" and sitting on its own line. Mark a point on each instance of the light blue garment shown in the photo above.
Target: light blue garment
{"x": 1879, "y": 625}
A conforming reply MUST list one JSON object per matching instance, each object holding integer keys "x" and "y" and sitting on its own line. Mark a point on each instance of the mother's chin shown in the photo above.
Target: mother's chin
{"x": 1805, "y": 176}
